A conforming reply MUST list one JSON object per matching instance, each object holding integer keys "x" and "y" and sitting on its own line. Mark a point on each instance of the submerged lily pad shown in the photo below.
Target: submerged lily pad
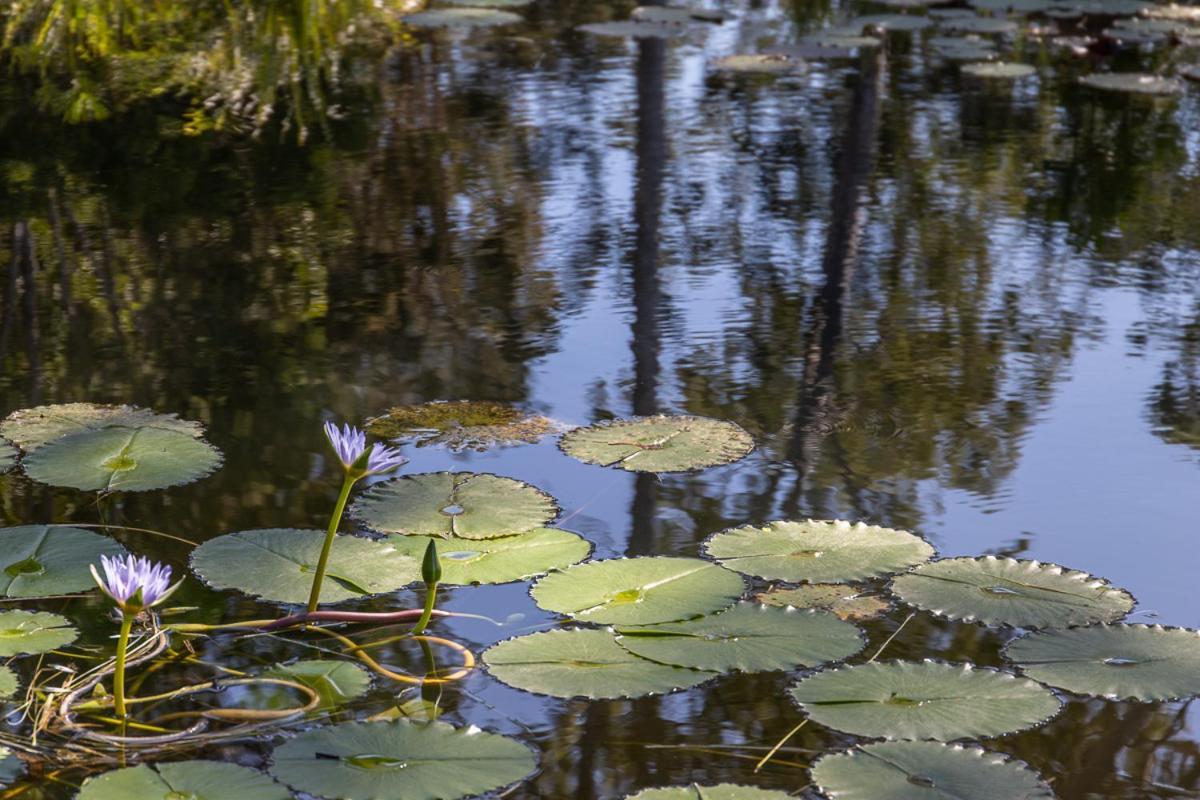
{"x": 41, "y": 560}
{"x": 8, "y": 456}
{"x": 583, "y": 663}
{"x": 923, "y": 700}
{"x": 30, "y": 428}
{"x": 1136, "y": 662}
{"x": 1005, "y": 591}
{"x": 500, "y": 560}
{"x": 1132, "y": 83}
{"x": 337, "y": 682}
{"x": 461, "y": 18}
{"x": 638, "y": 591}
{"x": 722, "y": 791}
{"x": 817, "y": 551}
{"x": 746, "y": 638}
{"x": 844, "y": 602}
{"x": 277, "y": 564}
{"x": 33, "y": 632}
{"x": 911, "y": 770}
{"x": 462, "y": 425}
{"x": 194, "y": 780}
{"x": 468, "y": 505}
{"x": 659, "y": 444}
{"x": 999, "y": 70}
{"x": 400, "y": 760}
{"x": 123, "y": 460}
{"x": 758, "y": 64}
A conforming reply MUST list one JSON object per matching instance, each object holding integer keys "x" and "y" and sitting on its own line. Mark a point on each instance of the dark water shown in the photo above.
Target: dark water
{"x": 968, "y": 311}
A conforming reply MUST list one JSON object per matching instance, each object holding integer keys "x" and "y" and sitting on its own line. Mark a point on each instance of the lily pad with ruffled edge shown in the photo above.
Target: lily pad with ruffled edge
{"x": 913, "y": 770}
{"x": 746, "y": 638}
{"x": 194, "y": 780}
{"x": 468, "y": 505}
{"x": 400, "y": 760}
{"x": 843, "y": 601}
{"x": 817, "y": 551}
{"x": 277, "y": 564}
{"x": 1006, "y": 591}
{"x": 638, "y": 591}
{"x": 722, "y": 791}
{"x": 44, "y": 560}
{"x": 659, "y": 444}
{"x": 23, "y": 632}
{"x": 336, "y": 682}
{"x": 462, "y": 425}
{"x": 122, "y": 460}
{"x": 758, "y": 64}
{"x": 1132, "y": 83}
{"x": 999, "y": 70}
{"x": 583, "y": 663}
{"x": 1133, "y": 662}
{"x": 500, "y": 560}
{"x": 8, "y": 456}
{"x": 30, "y": 428}
{"x": 461, "y": 18}
{"x": 923, "y": 700}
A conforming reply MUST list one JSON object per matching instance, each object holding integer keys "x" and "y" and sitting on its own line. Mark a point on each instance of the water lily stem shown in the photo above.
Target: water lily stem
{"x": 119, "y": 671}
{"x": 314, "y": 597}
{"x": 430, "y": 600}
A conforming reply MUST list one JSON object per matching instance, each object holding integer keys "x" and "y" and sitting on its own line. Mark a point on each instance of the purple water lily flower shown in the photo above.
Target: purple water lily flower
{"x": 350, "y": 444}
{"x": 384, "y": 459}
{"x": 134, "y": 583}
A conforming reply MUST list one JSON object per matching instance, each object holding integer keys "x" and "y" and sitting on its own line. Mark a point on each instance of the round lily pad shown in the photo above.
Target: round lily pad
{"x": 677, "y": 15}
{"x": 722, "y": 791}
{"x": 277, "y": 564}
{"x": 30, "y": 428}
{"x": 914, "y": 770}
{"x": 194, "y": 780}
{"x": 923, "y": 700}
{"x": 8, "y": 456}
{"x": 982, "y": 25}
{"x": 1005, "y": 591}
{"x": 8, "y": 682}
{"x": 400, "y": 760}
{"x": 583, "y": 663}
{"x": 11, "y": 766}
{"x": 817, "y": 551}
{"x": 746, "y": 638}
{"x": 1135, "y": 662}
{"x": 41, "y": 560}
{"x": 633, "y": 29}
{"x": 954, "y": 48}
{"x": 844, "y": 602}
{"x": 337, "y": 682}
{"x": 999, "y": 70}
{"x": 638, "y": 591}
{"x": 500, "y": 560}
{"x": 1132, "y": 83}
{"x": 461, "y": 18}
{"x": 892, "y": 22}
{"x": 467, "y": 505}
{"x": 122, "y": 459}
{"x": 33, "y": 632}
{"x": 659, "y": 444}
{"x": 758, "y": 64}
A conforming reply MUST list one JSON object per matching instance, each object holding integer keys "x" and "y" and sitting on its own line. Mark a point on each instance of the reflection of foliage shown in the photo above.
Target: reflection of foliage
{"x": 1175, "y": 401}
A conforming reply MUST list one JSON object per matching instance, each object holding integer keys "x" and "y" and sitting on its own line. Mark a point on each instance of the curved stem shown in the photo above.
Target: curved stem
{"x": 430, "y": 600}
{"x": 119, "y": 671}
{"x": 314, "y": 597}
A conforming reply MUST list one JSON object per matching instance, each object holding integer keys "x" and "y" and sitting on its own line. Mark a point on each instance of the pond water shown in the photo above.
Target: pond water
{"x": 963, "y": 308}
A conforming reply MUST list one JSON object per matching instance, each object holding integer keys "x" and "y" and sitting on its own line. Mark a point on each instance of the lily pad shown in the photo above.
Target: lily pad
{"x": 1005, "y": 591}
{"x": 722, "y": 791}
{"x": 8, "y": 456}
{"x": 42, "y": 560}
{"x": 30, "y": 428}
{"x": 758, "y": 64}
{"x": 1173, "y": 11}
{"x": 468, "y": 505}
{"x": 461, "y": 18}
{"x": 914, "y": 770}
{"x": 746, "y": 638}
{"x": 677, "y": 15}
{"x": 844, "y": 602}
{"x": 999, "y": 70}
{"x": 954, "y": 48}
{"x": 122, "y": 460}
{"x": 1136, "y": 662}
{"x": 583, "y": 663}
{"x": 638, "y": 591}
{"x": 1108, "y": 8}
{"x": 632, "y": 29}
{"x": 1132, "y": 83}
{"x": 8, "y": 682}
{"x": 400, "y": 760}
{"x": 277, "y": 564}
{"x": 500, "y": 560}
{"x": 842, "y": 39}
{"x": 489, "y": 3}
{"x": 923, "y": 700}
{"x": 1012, "y": 6}
{"x": 33, "y": 632}
{"x": 194, "y": 780}
{"x": 337, "y": 682}
{"x": 11, "y": 766}
{"x": 659, "y": 444}
{"x": 982, "y": 25}
{"x": 462, "y": 425}
{"x": 892, "y": 22}
{"x": 817, "y": 551}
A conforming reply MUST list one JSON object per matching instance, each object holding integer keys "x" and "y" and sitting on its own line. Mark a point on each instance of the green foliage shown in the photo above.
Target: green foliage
{"x": 33, "y": 632}
{"x": 195, "y": 780}
{"x": 122, "y": 460}
{"x": 41, "y": 560}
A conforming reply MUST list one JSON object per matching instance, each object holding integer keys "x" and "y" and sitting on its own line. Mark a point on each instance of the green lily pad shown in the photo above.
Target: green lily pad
{"x": 462, "y": 424}
{"x": 954, "y": 48}
{"x": 461, "y": 18}
{"x": 676, "y": 15}
{"x": 758, "y": 64}
{"x": 8, "y": 682}
{"x": 817, "y": 551}
{"x": 122, "y": 460}
{"x": 746, "y": 638}
{"x": 1005, "y": 591}
{"x": 1132, "y": 83}
{"x": 981, "y": 25}
{"x": 8, "y": 456}
{"x": 844, "y": 602}
{"x": 1135, "y": 662}
{"x": 638, "y": 591}
{"x": 193, "y": 780}
{"x": 33, "y": 632}
{"x": 916, "y": 770}
{"x": 277, "y": 564}
{"x": 400, "y": 760}
{"x": 892, "y": 22}
{"x": 468, "y": 505}
{"x": 500, "y": 560}
{"x": 923, "y": 700}
{"x": 583, "y": 663}
{"x": 41, "y": 560}
{"x": 999, "y": 70}
{"x": 11, "y": 766}
{"x": 30, "y": 428}
{"x": 1108, "y": 8}
{"x": 1012, "y": 6}
{"x": 337, "y": 682}
{"x": 659, "y": 444}
{"x": 722, "y": 791}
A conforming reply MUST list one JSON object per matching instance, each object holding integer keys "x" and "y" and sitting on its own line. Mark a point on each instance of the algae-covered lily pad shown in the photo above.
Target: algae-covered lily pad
{"x": 277, "y": 564}
{"x": 1135, "y": 662}
{"x": 999, "y": 70}
{"x": 40, "y": 560}
{"x": 122, "y": 460}
{"x": 194, "y": 780}
{"x": 638, "y": 591}
{"x": 462, "y": 425}
{"x": 500, "y": 560}
{"x": 337, "y": 682}
{"x": 33, "y": 632}
{"x": 468, "y": 505}
{"x": 461, "y": 18}
{"x": 817, "y": 551}
{"x": 8, "y": 456}
{"x": 722, "y": 791}
{"x": 583, "y": 663}
{"x": 30, "y": 428}
{"x": 917, "y": 770}
{"x": 923, "y": 700}
{"x": 400, "y": 760}
{"x": 843, "y": 601}
{"x": 746, "y": 638}
{"x": 1005, "y": 591}
{"x": 1132, "y": 83}
{"x": 659, "y": 444}
{"x": 758, "y": 64}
